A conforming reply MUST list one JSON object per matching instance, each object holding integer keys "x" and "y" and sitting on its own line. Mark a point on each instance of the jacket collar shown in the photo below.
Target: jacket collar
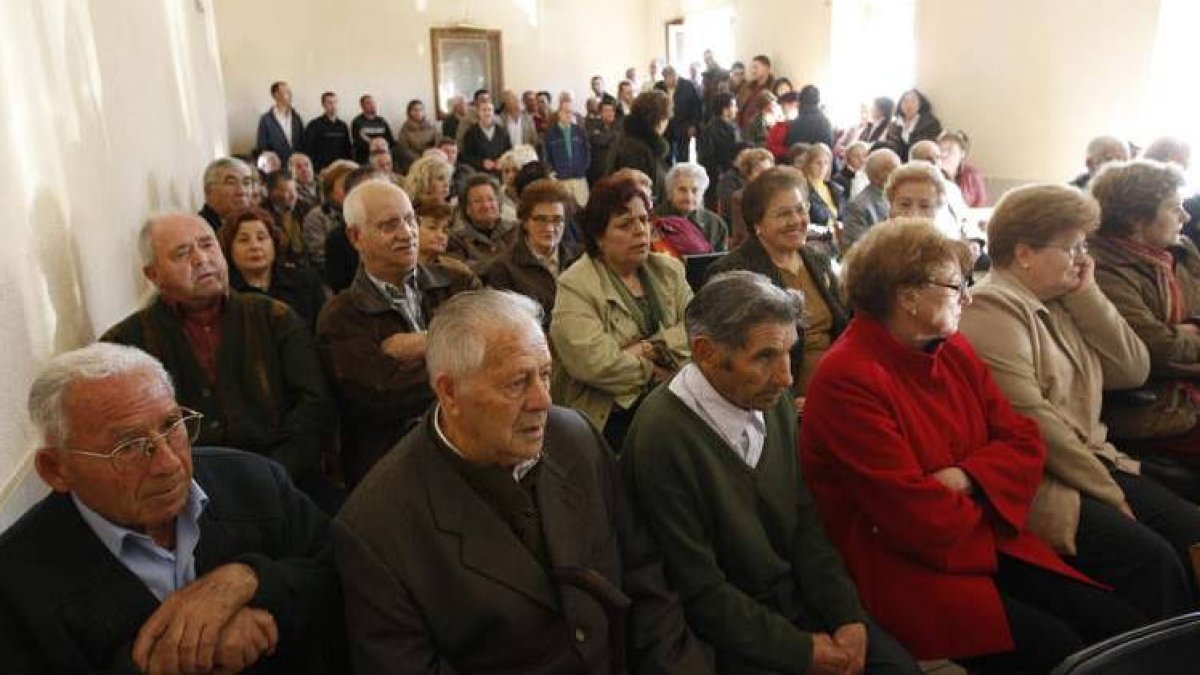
{"x": 463, "y": 228}
{"x": 895, "y": 352}
{"x": 366, "y": 297}
{"x": 523, "y": 256}
{"x": 487, "y": 545}
{"x": 1007, "y": 282}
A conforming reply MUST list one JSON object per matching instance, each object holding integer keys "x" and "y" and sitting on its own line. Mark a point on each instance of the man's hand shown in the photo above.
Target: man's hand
{"x": 404, "y": 346}
{"x": 248, "y": 636}
{"x": 853, "y": 638}
{"x": 954, "y": 478}
{"x": 181, "y": 636}
{"x": 828, "y": 658}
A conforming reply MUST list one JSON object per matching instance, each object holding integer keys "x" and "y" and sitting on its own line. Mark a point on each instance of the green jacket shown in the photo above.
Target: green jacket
{"x": 270, "y": 396}
{"x": 744, "y": 546}
{"x": 590, "y": 326}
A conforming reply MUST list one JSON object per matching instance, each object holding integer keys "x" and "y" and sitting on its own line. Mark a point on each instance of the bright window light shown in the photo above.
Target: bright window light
{"x": 875, "y": 55}
{"x": 1173, "y": 97}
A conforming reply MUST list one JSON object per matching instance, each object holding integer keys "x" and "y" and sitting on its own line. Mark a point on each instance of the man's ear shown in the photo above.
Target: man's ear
{"x": 151, "y": 273}
{"x": 446, "y": 392}
{"x": 48, "y": 462}
{"x": 354, "y": 235}
{"x": 705, "y": 352}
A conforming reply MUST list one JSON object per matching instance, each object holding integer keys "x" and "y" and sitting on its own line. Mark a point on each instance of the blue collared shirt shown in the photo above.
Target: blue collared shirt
{"x": 745, "y": 431}
{"x": 163, "y": 571}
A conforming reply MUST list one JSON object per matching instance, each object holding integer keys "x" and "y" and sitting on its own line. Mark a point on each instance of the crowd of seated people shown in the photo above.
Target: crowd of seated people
{"x": 549, "y": 397}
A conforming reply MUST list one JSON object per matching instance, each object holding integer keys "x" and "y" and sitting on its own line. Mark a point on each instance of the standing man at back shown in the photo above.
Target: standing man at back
{"x": 280, "y": 129}
{"x": 327, "y": 137}
{"x": 367, "y": 125}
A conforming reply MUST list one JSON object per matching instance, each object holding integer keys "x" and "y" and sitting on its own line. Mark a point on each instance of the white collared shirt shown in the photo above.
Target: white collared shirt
{"x": 410, "y": 293}
{"x": 285, "y": 121}
{"x": 518, "y": 472}
{"x": 745, "y": 431}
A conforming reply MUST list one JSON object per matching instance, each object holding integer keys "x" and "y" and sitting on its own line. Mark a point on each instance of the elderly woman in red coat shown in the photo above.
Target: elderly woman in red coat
{"x": 924, "y": 475}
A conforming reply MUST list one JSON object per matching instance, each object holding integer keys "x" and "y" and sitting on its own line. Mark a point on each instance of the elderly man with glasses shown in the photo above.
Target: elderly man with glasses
{"x": 150, "y": 556}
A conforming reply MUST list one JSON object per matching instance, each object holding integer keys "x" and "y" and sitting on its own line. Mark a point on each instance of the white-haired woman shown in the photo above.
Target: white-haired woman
{"x": 510, "y": 164}
{"x": 686, "y": 184}
{"x": 429, "y": 179}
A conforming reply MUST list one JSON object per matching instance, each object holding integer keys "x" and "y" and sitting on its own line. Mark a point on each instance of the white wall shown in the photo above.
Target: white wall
{"x": 382, "y": 47}
{"x": 1032, "y": 81}
{"x": 111, "y": 109}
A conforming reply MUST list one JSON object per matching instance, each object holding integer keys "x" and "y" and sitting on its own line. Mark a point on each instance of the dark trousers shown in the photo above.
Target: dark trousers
{"x": 1146, "y": 561}
{"x": 886, "y": 656}
{"x": 1051, "y": 617}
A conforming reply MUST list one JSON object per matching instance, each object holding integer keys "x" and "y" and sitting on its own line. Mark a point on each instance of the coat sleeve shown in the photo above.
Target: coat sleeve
{"x": 1002, "y": 339}
{"x": 308, "y": 419}
{"x": 368, "y": 381}
{"x": 851, "y": 423}
{"x": 828, "y": 589}
{"x": 671, "y": 501}
{"x": 675, "y": 336}
{"x": 298, "y": 585}
{"x": 1123, "y": 355}
{"x": 855, "y": 223}
{"x": 587, "y": 349}
{"x": 1172, "y": 352}
{"x": 262, "y": 139}
{"x": 387, "y": 632}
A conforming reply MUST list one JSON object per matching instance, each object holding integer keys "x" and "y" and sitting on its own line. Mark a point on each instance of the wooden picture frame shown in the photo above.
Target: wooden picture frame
{"x": 464, "y": 60}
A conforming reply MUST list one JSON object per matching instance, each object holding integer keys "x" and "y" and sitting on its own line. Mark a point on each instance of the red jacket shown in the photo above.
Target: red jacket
{"x": 880, "y": 418}
{"x": 777, "y": 141}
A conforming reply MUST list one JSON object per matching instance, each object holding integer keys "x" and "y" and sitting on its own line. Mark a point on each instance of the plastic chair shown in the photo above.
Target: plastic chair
{"x": 1169, "y": 647}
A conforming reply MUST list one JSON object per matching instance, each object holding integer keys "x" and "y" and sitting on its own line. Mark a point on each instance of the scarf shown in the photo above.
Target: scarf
{"x": 1168, "y": 285}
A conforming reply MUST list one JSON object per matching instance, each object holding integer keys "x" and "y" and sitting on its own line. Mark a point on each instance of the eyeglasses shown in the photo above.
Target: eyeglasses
{"x": 136, "y": 452}
{"x": 1076, "y": 250}
{"x": 548, "y": 220}
{"x": 962, "y": 288}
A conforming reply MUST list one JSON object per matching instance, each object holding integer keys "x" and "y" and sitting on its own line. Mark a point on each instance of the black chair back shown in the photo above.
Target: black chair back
{"x": 1169, "y": 647}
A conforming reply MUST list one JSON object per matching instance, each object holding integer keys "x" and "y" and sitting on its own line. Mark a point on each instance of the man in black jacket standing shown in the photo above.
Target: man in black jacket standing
{"x": 327, "y": 138}
{"x": 688, "y": 110}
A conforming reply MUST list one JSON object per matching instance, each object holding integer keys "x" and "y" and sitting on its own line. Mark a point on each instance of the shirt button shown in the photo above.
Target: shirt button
{"x": 580, "y": 635}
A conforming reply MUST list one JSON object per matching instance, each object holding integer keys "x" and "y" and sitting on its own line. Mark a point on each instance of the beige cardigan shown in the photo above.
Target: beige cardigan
{"x": 1053, "y": 360}
{"x": 590, "y": 326}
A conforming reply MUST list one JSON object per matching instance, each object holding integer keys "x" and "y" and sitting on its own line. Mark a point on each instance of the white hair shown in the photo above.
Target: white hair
{"x": 354, "y": 208}
{"x": 517, "y": 157}
{"x": 456, "y": 344}
{"x": 218, "y": 166}
{"x": 687, "y": 170}
{"x": 94, "y": 362}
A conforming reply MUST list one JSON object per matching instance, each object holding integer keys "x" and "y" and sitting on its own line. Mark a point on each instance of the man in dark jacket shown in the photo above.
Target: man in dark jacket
{"x": 367, "y": 125}
{"x": 718, "y": 143}
{"x": 496, "y": 537}
{"x": 327, "y": 137}
{"x": 811, "y": 125}
{"x": 711, "y": 459}
{"x": 150, "y": 556}
{"x": 245, "y": 361}
{"x": 686, "y": 112}
{"x": 485, "y": 141}
{"x": 566, "y": 150}
{"x": 372, "y": 335}
{"x": 601, "y": 135}
{"x": 228, "y": 182}
{"x": 280, "y": 129}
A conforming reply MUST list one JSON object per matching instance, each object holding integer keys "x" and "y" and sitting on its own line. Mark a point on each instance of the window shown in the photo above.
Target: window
{"x": 707, "y": 29}
{"x": 1173, "y": 97}
{"x": 874, "y": 55}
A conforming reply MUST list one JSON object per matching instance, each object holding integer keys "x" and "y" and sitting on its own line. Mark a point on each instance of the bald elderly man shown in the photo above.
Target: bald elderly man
{"x": 244, "y": 360}
{"x": 1100, "y": 151}
{"x": 152, "y": 556}
{"x": 869, "y": 206}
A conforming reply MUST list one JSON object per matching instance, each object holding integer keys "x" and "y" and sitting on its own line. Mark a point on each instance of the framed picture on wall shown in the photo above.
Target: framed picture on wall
{"x": 464, "y": 60}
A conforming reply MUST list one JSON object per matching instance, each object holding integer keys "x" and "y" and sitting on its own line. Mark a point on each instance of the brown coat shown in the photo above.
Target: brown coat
{"x": 1053, "y": 360}
{"x": 470, "y": 245}
{"x": 517, "y": 269}
{"x": 436, "y": 581}
{"x": 1129, "y": 283}
{"x": 380, "y": 397}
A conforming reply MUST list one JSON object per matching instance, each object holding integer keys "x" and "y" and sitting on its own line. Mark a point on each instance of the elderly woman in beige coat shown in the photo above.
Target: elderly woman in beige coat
{"x": 617, "y": 325}
{"x": 1054, "y": 343}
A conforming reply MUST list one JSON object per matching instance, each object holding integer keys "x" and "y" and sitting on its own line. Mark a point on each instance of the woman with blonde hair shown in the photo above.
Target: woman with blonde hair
{"x": 429, "y": 179}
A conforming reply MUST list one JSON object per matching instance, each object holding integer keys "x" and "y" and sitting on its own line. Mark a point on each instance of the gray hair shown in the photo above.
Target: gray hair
{"x": 215, "y": 168}
{"x": 731, "y": 303}
{"x": 145, "y": 241}
{"x": 878, "y": 162}
{"x": 456, "y": 344}
{"x": 687, "y": 170}
{"x": 93, "y": 362}
{"x": 354, "y": 208}
{"x": 517, "y": 157}
{"x": 427, "y": 168}
{"x": 915, "y": 172}
{"x": 921, "y": 150}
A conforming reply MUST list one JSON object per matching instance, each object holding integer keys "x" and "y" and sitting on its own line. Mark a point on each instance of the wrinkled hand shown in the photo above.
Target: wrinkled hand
{"x": 182, "y": 634}
{"x": 404, "y": 346}
{"x": 853, "y": 638}
{"x": 249, "y": 635}
{"x": 1087, "y": 273}
{"x": 954, "y": 478}
{"x": 828, "y": 658}
{"x": 800, "y": 400}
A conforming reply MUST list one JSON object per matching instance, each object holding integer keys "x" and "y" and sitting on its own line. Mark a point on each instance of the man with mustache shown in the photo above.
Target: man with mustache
{"x": 149, "y": 555}
{"x": 711, "y": 459}
{"x": 496, "y": 537}
{"x": 245, "y": 361}
{"x": 372, "y": 335}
